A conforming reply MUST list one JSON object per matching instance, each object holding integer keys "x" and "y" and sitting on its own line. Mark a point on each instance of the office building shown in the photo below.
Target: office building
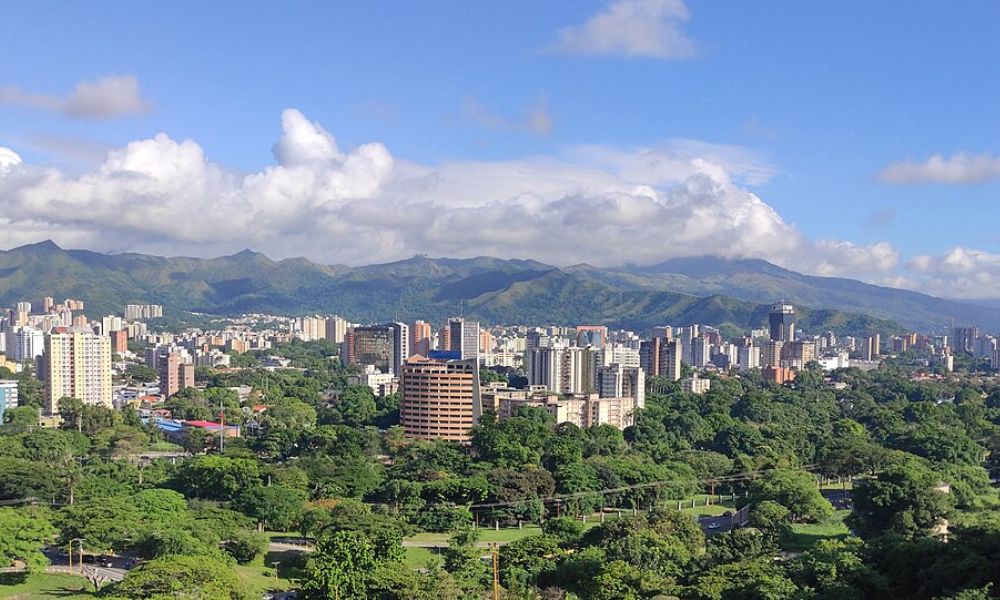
{"x": 77, "y": 364}
{"x": 464, "y": 338}
{"x": 963, "y": 338}
{"x": 440, "y": 398}
{"x": 384, "y": 347}
{"x": 782, "y": 322}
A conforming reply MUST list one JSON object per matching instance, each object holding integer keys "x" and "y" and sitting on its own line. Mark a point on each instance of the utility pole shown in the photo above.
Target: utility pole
{"x": 222, "y": 429}
{"x": 495, "y": 547}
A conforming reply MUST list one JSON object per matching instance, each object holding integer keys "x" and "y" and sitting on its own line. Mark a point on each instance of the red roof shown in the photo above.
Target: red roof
{"x": 202, "y": 424}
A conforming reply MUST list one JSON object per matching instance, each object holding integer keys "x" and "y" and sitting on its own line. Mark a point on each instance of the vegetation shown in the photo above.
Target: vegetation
{"x": 326, "y": 461}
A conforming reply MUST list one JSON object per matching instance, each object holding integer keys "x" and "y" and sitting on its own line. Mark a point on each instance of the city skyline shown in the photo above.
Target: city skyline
{"x": 758, "y": 155}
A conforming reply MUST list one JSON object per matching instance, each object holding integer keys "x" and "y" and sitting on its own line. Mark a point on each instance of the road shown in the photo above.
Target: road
{"x": 59, "y": 563}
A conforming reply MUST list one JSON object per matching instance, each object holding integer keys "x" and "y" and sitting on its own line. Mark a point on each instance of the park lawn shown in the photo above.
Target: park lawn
{"x": 416, "y": 558}
{"x": 43, "y": 586}
{"x": 803, "y": 536}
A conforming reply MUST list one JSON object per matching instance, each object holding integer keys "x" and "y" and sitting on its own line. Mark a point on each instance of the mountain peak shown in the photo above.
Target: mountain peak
{"x": 38, "y": 247}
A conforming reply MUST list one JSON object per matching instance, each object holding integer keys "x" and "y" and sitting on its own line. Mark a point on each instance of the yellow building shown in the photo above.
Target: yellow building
{"x": 77, "y": 364}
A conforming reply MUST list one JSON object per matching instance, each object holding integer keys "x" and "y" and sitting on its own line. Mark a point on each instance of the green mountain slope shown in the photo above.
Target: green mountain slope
{"x": 733, "y": 294}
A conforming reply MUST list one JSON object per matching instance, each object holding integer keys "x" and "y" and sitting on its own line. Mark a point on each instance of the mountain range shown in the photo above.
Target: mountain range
{"x": 732, "y": 293}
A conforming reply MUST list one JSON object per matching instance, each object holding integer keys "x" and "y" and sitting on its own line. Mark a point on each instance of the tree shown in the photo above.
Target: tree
{"x": 277, "y": 507}
{"x": 217, "y": 477}
{"x": 192, "y": 577}
{"x": 903, "y": 499}
{"x": 23, "y": 536}
{"x": 106, "y": 523}
{"x": 795, "y": 490}
{"x": 245, "y": 546}
{"x": 344, "y": 563}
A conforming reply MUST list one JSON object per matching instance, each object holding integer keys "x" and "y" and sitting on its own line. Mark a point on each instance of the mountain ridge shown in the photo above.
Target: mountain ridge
{"x": 708, "y": 289}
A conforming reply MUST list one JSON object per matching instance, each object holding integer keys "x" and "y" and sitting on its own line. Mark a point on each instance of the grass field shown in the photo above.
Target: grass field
{"x": 416, "y": 558}
{"x": 44, "y": 586}
{"x": 804, "y": 536}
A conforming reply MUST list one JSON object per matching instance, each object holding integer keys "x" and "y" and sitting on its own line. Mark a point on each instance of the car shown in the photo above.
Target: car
{"x": 106, "y": 562}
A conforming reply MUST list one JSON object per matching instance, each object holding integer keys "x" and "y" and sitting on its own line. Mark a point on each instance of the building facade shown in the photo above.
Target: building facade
{"x": 77, "y": 364}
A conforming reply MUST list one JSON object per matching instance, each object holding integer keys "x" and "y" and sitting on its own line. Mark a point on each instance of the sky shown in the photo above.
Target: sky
{"x": 855, "y": 139}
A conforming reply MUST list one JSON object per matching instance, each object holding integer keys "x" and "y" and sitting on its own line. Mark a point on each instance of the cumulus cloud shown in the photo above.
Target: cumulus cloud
{"x": 958, "y": 273}
{"x": 958, "y": 168}
{"x": 103, "y": 98}
{"x": 631, "y": 28}
{"x": 605, "y": 206}
{"x": 842, "y": 258}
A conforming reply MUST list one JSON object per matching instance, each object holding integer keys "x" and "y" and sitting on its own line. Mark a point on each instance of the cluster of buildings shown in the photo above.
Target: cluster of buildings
{"x": 586, "y": 375}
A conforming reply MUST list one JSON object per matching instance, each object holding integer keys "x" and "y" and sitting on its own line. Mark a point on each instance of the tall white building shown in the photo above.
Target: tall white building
{"x": 564, "y": 369}
{"x": 24, "y": 343}
{"x": 701, "y": 351}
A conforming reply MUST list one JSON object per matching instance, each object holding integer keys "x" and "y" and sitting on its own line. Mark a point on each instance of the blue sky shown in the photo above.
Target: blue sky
{"x": 821, "y": 97}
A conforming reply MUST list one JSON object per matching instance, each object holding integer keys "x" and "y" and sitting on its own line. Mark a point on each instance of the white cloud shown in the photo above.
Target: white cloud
{"x": 8, "y": 159}
{"x": 960, "y": 167}
{"x": 631, "y": 28}
{"x": 958, "y": 273}
{"x": 842, "y": 258}
{"x": 594, "y": 204}
{"x": 103, "y": 98}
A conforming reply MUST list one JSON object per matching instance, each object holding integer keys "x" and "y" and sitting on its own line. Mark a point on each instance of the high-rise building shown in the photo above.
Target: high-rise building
{"x": 444, "y": 338}
{"x": 369, "y": 345}
{"x": 23, "y": 307}
{"x": 770, "y": 353}
{"x": 670, "y": 359}
{"x": 963, "y": 338}
{"x": 782, "y": 322}
{"x": 420, "y": 338}
{"x": 119, "y": 341}
{"x": 47, "y": 304}
{"x": 440, "y": 398}
{"x": 591, "y": 335}
{"x": 559, "y": 369}
{"x": 400, "y": 345}
{"x": 336, "y": 327}
{"x": 619, "y": 381}
{"x": 8, "y": 396}
{"x": 649, "y": 355}
{"x": 748, "y": 357}
{"x": 24, "y": 343}
{"x": 311, "y": 328}
{"x": 701, "y": 351}
{"x": 665, "y": 332}
{"x": 135, "y": 312}
{"x": 870, "y": 348}
{"x": 464, "y": 338}
{"x": 176, "y": 369}
{"x": 77, "y": 364}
